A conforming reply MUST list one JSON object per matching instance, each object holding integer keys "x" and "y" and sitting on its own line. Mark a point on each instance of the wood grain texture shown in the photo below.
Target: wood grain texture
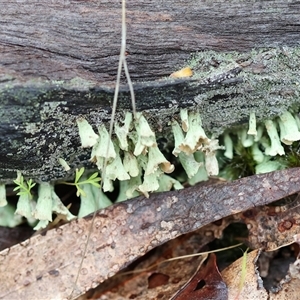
{"x": 60, "y": 40}
{"x": 59, "y": 60}
{"x": 126, "y": 231}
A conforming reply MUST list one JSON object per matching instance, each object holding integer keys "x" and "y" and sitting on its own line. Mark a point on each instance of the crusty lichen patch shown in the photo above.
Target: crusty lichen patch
{"x": 42, "y": 124}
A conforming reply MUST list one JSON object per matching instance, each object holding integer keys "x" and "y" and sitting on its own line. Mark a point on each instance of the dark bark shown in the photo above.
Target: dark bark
{"x": 59, "y": 59}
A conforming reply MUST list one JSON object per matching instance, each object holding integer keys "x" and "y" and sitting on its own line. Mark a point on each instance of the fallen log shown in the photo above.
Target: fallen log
{"x": 59, "y": 60}
{"x": 123, "y": 232}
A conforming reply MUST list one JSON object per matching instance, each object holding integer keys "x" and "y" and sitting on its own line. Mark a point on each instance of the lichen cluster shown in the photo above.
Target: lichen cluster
{"x": 259, "y": 149}
{"x": 41, "y": 208}
{"x": 132, "y": 157}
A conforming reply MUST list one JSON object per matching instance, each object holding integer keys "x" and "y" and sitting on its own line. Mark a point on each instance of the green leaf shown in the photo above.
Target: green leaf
{"x": 80, "y": 191}
{"x": 79, "y": 174}
{"x": 95, "y": 180}
{"x": 94, "y": 176}
{"x": 16, "y": 188}
{"x": 95, "y": 184}
{"x": 23, "y": 187}
{"x": 30, "y": 184}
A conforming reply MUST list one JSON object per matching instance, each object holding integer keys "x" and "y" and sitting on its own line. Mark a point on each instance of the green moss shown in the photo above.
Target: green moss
{"x": 241, "y": 165}
{"x": 292, "y": 156}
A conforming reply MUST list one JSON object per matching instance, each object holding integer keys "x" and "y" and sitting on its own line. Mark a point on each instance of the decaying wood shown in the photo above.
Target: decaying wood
{"x": 152, "y": 277}
{"x": 64, "y": 40}
{"x": 126, "y": 231}
{"x": 270, "y": 227}
{"x": 59, "y": 60}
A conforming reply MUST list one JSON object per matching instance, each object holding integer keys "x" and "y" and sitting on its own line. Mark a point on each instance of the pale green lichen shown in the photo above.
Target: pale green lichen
{"x": 211, "y": 162}
{"x": 8, "y": 217}
{"x": 257, "y": 154}
{"x": 145, "y": 136}
{"x": 252, "y": 125}
{"x": 129, "y": 188}
{"x": 123, "y": 131}
{"x": 195, "y": 136}
{"x": 143, "y": 163}
{"x": 189, "y": 164}
{"x": 58, "y": 207}
{"x": 297, "y": 119}
{"x": 103, "y": 148}
{"x": 166, "y": 183}
{"x": 131, "y": 165}
{"x": 195, "y": 140}
{"x": 268, "y": 166}
{"x": 87, "y": 135}
{"x": 134, "y": 159}
{"x": 150, "y": 183}
{"x": 64, "y": 164}
{"x": 275, "y": 147}
{"x": 260, "y": 131}
{"x": 178, "y": 137}
{"x": 47, "y": 203}
{"x": 25, "y": 206}
{"x": 184, "y": 119}
{"x": 3, "y": 200}
{"x": 93, "y": 200}
{"x": 42, "y": 224}
{"x": 228, "y": 146}
{"x": 114, "y": 170}
{"x": 157, "y": 160}
{"x": 267, "y": 144}
{"x": 289, "y": 132}
{"x": 246, "y": 139}
{"x": 201, "y": 174}
{"x": 42, "y": 209}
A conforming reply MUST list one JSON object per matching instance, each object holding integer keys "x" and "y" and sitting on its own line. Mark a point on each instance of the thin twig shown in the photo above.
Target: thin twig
{"x": 122, "y": 62}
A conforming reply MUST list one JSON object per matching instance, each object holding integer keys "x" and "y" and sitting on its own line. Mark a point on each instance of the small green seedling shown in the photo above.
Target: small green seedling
{"x": 93, "y": 179}
{"x": 24, "y": 187}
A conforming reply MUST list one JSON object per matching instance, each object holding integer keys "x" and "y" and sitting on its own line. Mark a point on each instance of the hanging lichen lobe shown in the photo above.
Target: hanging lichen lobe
{"x": 260, "y": 85}
{"x": 268, "y": 85}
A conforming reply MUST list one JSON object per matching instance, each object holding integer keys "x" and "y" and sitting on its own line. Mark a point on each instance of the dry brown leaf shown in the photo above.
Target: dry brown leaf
{"x": 249, "y": 290}
{"x": 207, "y": 283}
{"x": 140, "y": 286}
